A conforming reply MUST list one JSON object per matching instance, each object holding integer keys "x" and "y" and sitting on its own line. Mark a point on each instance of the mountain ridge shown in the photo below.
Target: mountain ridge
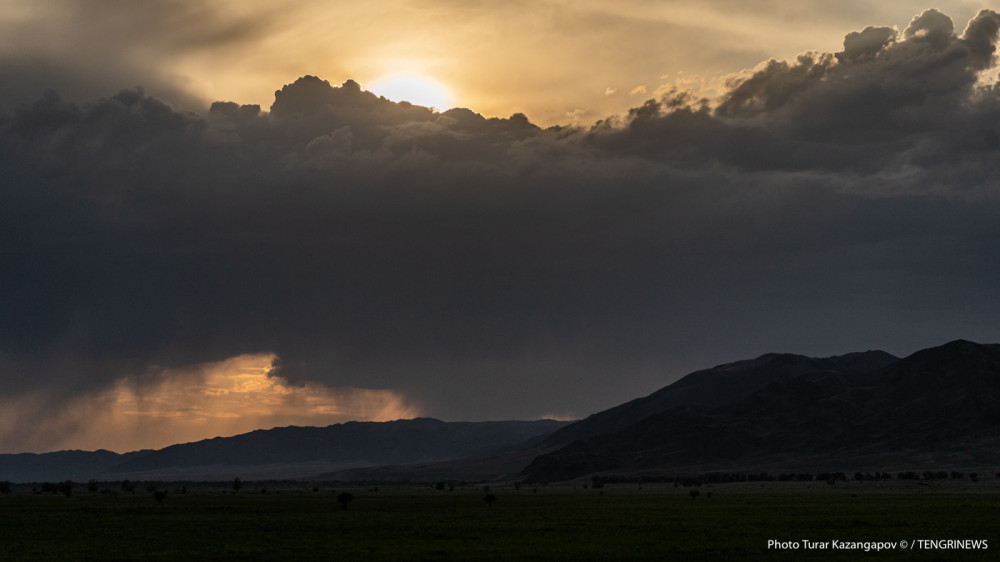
{"x": 937, "y": 407}
{"x": 714, "y": 387}
{"x": 291, "y": 451}
{"x": 940, "y": 405}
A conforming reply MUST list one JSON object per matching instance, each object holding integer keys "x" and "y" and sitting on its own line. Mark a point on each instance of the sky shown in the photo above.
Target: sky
{"x": 210, "y": 224}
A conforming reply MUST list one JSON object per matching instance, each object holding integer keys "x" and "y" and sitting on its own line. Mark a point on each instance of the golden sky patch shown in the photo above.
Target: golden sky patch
{"x": 546, "y": 58}
{"x": 225, "y": 398}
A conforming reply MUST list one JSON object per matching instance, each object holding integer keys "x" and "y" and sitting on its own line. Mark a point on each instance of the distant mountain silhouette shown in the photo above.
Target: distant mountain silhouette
{"x": 937, "y": 407}
{"x": 284, "y": 452}
{"x": 715, "y": 387}
{"x": 60, "y": 465}
{"x": 350, "y": 444}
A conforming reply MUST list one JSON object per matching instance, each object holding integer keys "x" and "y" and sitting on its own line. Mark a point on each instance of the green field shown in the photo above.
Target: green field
{"x": 548, "y": 524}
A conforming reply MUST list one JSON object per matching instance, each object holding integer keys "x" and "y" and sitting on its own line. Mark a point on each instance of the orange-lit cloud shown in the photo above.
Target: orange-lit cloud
{"x": 224, "y": 398}
{"x": 542, "y": 58}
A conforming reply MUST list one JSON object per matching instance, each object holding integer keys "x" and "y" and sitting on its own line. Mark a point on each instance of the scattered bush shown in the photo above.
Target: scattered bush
{"x": 345, "y": 498}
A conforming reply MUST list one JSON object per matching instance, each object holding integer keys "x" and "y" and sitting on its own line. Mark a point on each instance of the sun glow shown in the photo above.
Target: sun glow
{"x": 414, "y": 89}
{"x": 228, "y": 397}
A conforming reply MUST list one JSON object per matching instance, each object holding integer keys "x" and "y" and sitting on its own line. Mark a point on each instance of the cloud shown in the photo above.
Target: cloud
{"x": 86, "y": 49}
{"x": 490, "y": 268}
{"x": 224, "y": 398}
{"x": 542, "y": 58}
{"x": 881, "y": 104}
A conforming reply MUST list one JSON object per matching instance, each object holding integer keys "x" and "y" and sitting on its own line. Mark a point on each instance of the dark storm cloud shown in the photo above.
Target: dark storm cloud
{"x": 490, "y": 268}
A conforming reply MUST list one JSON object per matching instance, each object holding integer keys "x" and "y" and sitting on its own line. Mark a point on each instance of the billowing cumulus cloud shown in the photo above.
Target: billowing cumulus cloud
{"x": 884, "y": 104}
{"x": 544, "y": 58}
{"x": 470, "y": 267}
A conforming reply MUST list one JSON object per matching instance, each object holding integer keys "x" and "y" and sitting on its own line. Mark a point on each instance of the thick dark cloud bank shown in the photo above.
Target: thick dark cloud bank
{"x": 488, "y": 268}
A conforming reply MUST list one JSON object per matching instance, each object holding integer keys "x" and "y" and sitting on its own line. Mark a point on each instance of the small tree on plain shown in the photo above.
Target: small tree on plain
{"x": 237, "y": 484}
{"x": 345, "y": 498}
{"x": 5, "y": 487}
{"x": 490, "y": 499}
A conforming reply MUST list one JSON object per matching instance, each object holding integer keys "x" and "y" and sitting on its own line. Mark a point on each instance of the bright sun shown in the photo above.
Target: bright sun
{"x": 414, "y": 89}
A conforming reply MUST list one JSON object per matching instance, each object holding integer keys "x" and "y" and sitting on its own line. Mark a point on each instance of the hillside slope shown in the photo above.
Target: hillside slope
{"x": 937, "y": 407}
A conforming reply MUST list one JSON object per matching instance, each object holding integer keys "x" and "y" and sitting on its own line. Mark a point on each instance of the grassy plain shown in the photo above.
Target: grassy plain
{"x": 617, "y": 523}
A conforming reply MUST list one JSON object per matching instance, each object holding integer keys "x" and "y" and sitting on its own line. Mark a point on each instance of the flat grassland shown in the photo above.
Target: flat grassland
{"x": 623, "y": 523}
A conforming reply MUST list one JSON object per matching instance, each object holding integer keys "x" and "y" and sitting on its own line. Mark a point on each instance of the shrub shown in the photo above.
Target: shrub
{"x": 345, "y": 498}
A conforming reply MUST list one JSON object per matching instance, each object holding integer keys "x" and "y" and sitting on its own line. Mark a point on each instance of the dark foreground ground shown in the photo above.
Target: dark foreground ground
{"x": 616, "y": 523}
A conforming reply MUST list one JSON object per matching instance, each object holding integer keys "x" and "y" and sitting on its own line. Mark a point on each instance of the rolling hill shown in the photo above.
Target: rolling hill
{"x": 284, "y": 452}
{"x": 937, "y": 407}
